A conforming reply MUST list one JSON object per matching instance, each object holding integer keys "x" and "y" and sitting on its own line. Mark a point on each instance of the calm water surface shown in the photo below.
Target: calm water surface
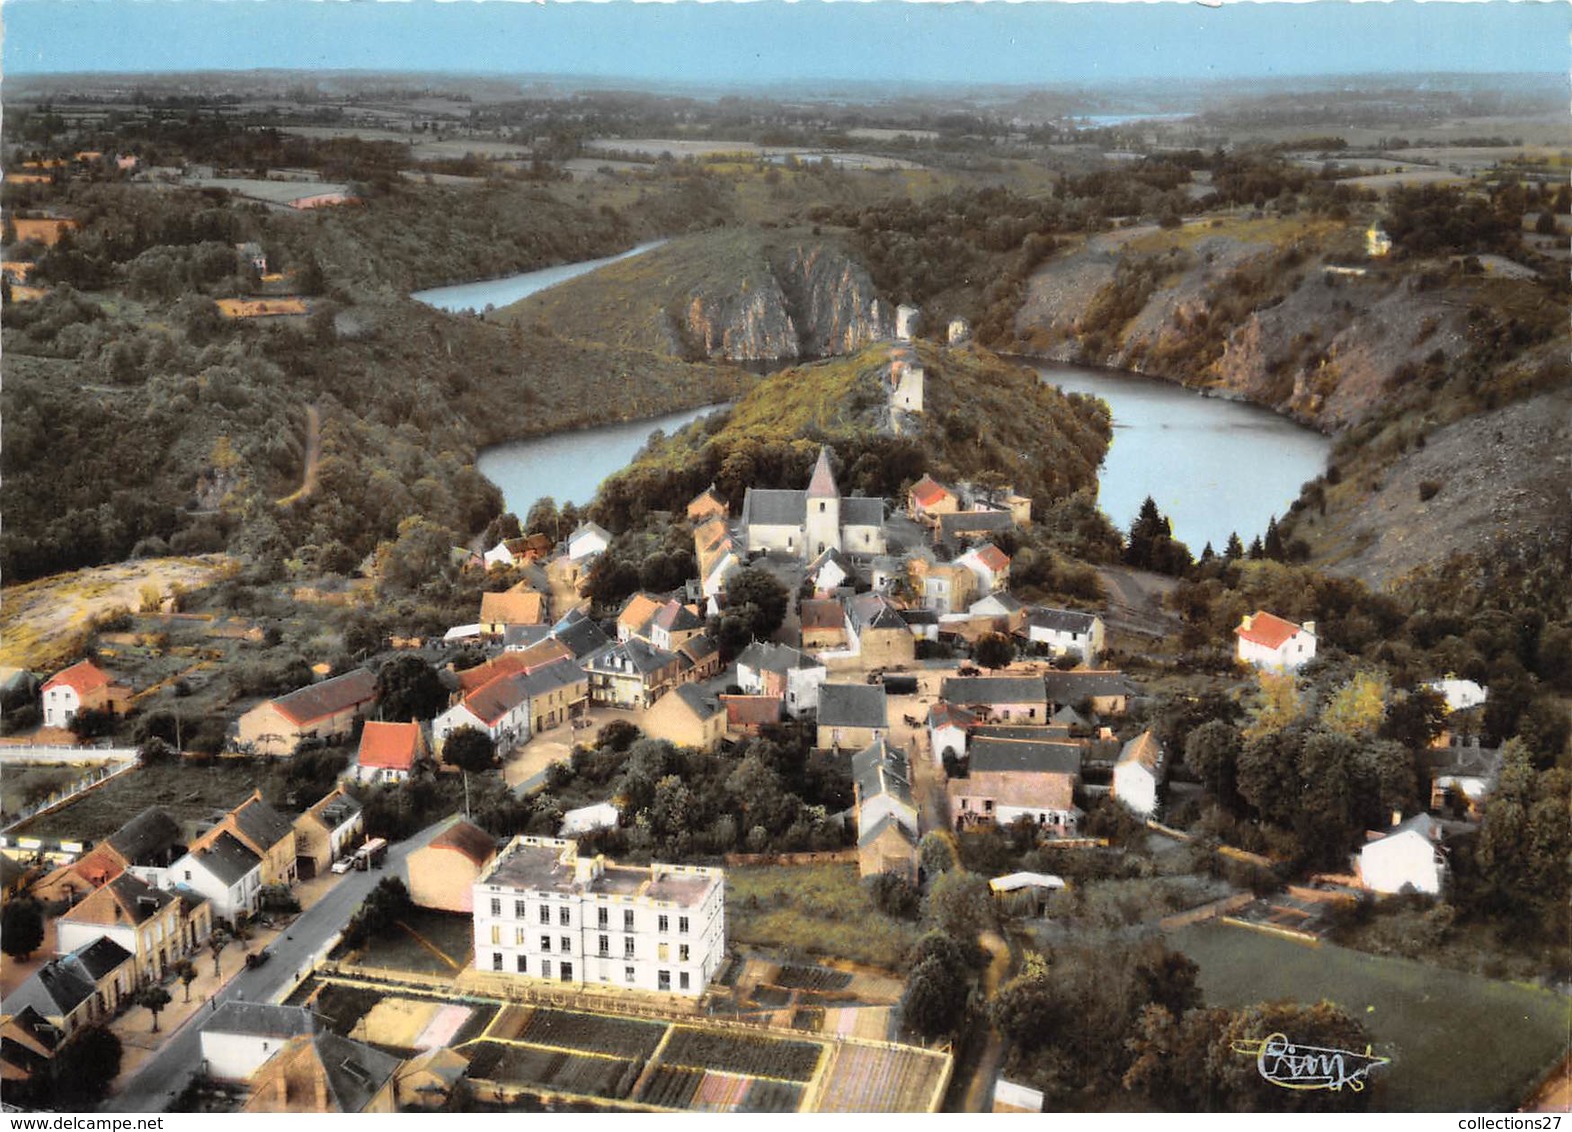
{"x": 1212, "y": 466}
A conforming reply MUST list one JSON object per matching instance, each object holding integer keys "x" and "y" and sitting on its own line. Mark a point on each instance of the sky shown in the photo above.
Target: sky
{"x": 768, "y": 41}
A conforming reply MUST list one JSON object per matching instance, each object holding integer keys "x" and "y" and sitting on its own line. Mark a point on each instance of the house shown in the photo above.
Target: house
{"x": 225, "y": 871}
{"x": 587, "y": 819}
{"x": 322, "y": 1072}
{"x": 906, "y": 318}
{"x": 1010, "y": 779}
{"x": 1267, "y": 641}
{"x": 689, "y": 717}
{"x": 155, "y": 926}
{"x": 1377, "y": 242}
{"x": 1138, "y": 771}
{"x": 947, "y": 729}
{"x": 326, "y": 711}
{"x": 699, "y": 658}
{"x": 945, "y": 587}
{"x": 555, "y": 692}
{"x": 707, "y": 505}
{"x": 887, "y": 828}
{"x": 766, "y": 669}
{"x": 632, "y": 674}
{"x": 388, "y": 752}
{"x": 263, "y": 830}
{"x": 587, "y": 541}
{"x": 47, "y": 230}
{"x": 823, "y": 623}
{"x": 579, "y": 635}
{"x": 876, "y": 634}
{"x": 428, "y": 1080}
{"x": 1461, "y": 776}
{"x": 830, "y": 571}
{"x": 1066, "y": 632}
{"x": 922, "y": 624}
{"x": 500, "y": 708}
{"x": 1408, "y": 857}
{"x": 1105, "y": 691}
{"x": 1003, "y": 698}
{"x": 82, "y": 687}
{"x": 636, "y": 614}
{"x": 325, "y": 832}
{"x": 1002, "y": 612}
{"x": 1010, "y": 1097}
{"x": 544, "y": 913}
{"x": 86, "y": 986}
{"x": 239, "y": 1037}
{"x": 989, "y": 565}
{"x": 512, "y": 663}
{"x": 749, "y": 715}
{"x": 149, "y": 843}
{"x": 673, "y": 625}
{"x": 517, "y": 606}
{"x": 442, "y": 872}
{"x": 927, "y": 499}
{"x": 27, "y": 1048}
{"x": 852, "y": 715}
{"x": 1460, "y": 695}
{"x": 804, "y": 524}
{"x": 75, "y": 879}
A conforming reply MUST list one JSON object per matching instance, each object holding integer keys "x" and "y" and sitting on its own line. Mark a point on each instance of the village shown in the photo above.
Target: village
{"x": 899, "y": 656}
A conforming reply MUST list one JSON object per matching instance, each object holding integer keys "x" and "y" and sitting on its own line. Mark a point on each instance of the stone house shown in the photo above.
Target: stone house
{"x": 688, "y": 717}
{"x": 1009, "y": 779}
{"x": 852, "y": 715}
{"x": 326, "y": 711}
{"x": 81, "y": 687}
{"x": 442, "y": 872}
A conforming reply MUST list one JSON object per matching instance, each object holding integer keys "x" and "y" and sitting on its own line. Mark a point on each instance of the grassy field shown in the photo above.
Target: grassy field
{"x": 814, "y": 909}
{"x": 1458, "y": 1042}
{"x": 415, "y": 947}
{"x": 187, "y": 792}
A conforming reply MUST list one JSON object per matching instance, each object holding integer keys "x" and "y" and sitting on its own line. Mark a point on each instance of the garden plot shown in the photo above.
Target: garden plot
{"x": 756, "y": 1056}
{"x": 549, "y": 1070}
{"x": 882, "y": 1078}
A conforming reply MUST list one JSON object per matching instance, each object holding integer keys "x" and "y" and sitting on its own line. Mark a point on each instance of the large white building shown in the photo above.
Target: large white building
{"x": 543, "y": 912}
{"x": 807, "y": 523}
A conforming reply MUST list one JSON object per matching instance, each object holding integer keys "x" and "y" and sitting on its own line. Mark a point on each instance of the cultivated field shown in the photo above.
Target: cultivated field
{"x": 187, "y": 792}
{"x": 814, "y": 909}
{"x": 426, "y": 943}
{"x": 1458, "y": 1042}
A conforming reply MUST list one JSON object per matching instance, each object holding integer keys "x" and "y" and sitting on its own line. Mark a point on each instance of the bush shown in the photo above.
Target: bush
{"x": 1428, "y": 489}
{"x": 894, "y": 895}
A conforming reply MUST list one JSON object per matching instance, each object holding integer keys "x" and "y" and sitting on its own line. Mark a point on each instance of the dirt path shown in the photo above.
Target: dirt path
{"x": 979, "y": 1094}
{"x": 308, "y": 481}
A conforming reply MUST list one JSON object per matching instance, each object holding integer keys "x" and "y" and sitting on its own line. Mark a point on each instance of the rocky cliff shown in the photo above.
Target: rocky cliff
{"x": 729, "y": 295}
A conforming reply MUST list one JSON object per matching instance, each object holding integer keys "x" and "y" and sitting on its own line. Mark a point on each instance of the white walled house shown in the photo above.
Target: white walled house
{"x": 1460, "y": 695}
{"x": 947, "y": 729}
{"x": 544, "y": 913}
{"x": 238, "y": 1038}
{"x": 1407, "y": 857}
{"x": 1137, "y": 774}
{"x": 989, "y": 565}
{"x": 1267, "y": 641}
{"x": 500, "y": 708}
{"x": 226, "y": 872}
{"x": 586, "y": 542}
{"x": 1066, "y": 632}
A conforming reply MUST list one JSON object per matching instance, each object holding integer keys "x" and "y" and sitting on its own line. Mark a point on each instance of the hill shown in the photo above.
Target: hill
{"x": 738, "y": 294}
{"x": 984, "y": 419}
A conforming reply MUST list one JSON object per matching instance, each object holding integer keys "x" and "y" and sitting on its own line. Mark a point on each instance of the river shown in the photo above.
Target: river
{"x": 1213, "y": 466}
{"x": 511, "y": 288}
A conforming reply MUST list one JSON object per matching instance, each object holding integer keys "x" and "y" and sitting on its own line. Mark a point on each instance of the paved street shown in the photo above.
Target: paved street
{"x": 166, "y": 1073}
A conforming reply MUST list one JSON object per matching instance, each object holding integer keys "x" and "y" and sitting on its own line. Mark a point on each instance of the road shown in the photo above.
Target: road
{"x": 168, "y": 1071}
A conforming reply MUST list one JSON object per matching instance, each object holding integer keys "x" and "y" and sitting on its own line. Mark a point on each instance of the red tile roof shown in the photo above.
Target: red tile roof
{"x": 318, "y": 701}
{"x": 751, "y": 711}
{"x": 1266, "y": 629}
{"x": 84, "y": 676}
{"x": 821, "y": 613}
{"x": 928, "y": 491}
{"x": 391, "y": 746}
{"x": 823, "y": 482}
{"x": 512, "y": 663}
{"x": 469, "y": 840}
{"x": 992, "y": 557}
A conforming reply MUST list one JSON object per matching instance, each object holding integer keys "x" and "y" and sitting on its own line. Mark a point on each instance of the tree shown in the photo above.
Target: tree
{"x": 21, "y": 928}
{"x": 894, "y": 895}
{"x": 959, "y": 904}
{"x": 154, "y": 752}
{"x": 544, "y": 518}
{"x": 994, "y": 650}
{"x": 1212, "y": 754}
{"x": 470, "y": 749}
{"x": 155, "y": 998}
{"x": 216, "y": 944}
{"x": 934, "y": 999}
{"x": 87, "y": 1064}
{"x": 757, "y": 599}
{"x": 409, "y": 689}
{"x": 188, "y": 973}
{"x": 1239, "y": 1085}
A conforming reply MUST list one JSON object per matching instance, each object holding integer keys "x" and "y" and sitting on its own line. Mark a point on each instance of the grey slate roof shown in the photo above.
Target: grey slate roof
{"x": 774, "y": 507}
{"x": 1018, "y": 731}
{"x": 560, "y": 673}
{"x": 1007, "y": 602}
{"x": 262, "y": 823}
{"x": 521, "y": 637}
{"x": 642, "y": 658}
{"x": 882, "y": 769}
{"x": 580, "y": 634}
{"x": 871, "y": 611}
{"x": 993, "y": 690}
{"x": 862, "y": 511}
{"x": 1061, "y": 620}
{"x": 54, "y": 990}
{"x": 339, "y": 810}
{"x": 316, "y": 701}
{"x": 227, "y": 859}
{"x": 1068, "y": 687}
{"x": 703, "y": 704}
{"x": 766, "y": 656}
{"x": 149, "y": 838}
{"x": 974, "y": 522}
{"x": 872, "y": 833}
{"x": 100, "y": 957}
{"x": 355, "y": 1072}
{"x": 261, "y": 1019}
{"x": 852, "y": 705}
{"x": 1025, "y": 756}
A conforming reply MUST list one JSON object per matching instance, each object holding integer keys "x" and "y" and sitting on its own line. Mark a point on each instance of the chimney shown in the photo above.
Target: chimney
{"x": 1309, "y": 627}
{"x": 1397, "y": 817}
{"x": 1245, "y": 624}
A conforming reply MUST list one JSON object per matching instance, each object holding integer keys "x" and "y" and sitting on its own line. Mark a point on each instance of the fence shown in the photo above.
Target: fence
{"x": 1210, "y": 911}
{"x": 829, "y": 857}
{"x": 61, "y": 798}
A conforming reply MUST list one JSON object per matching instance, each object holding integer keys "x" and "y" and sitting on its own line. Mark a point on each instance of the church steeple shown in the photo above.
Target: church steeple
{"x": 822, "y": 485}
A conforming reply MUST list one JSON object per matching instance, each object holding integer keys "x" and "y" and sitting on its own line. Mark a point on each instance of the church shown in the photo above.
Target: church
{"x": 807, "y": 523}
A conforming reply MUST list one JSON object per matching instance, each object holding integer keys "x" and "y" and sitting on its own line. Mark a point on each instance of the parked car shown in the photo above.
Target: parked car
{"x": 343, "y": 865}
{"x": 258, "y": 957}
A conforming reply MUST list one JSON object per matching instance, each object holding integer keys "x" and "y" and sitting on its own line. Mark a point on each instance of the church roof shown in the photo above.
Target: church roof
{"x": 822, "y": 485}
